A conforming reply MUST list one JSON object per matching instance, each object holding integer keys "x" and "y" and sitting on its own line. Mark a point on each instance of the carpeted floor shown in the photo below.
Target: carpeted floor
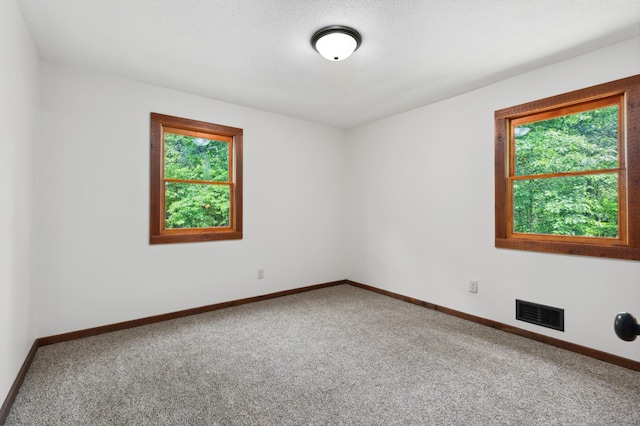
{"x": 339, "y": 355}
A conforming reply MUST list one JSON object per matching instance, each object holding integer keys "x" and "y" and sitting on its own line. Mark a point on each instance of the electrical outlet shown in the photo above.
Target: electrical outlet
{"x": 260, "y": 274}
{"x": 473, "y": 286}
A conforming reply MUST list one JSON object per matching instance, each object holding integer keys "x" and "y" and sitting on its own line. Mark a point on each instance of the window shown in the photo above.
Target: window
{"x": 196, "y": 181}
{"x": 567, "y": 173}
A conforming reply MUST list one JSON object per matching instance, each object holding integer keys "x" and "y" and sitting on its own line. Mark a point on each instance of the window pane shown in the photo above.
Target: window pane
{"x": 186, "y": 157}
{"x": 587, "y": 140}
{"x": 197, "y": 205}
{"x": 573, "y": 205}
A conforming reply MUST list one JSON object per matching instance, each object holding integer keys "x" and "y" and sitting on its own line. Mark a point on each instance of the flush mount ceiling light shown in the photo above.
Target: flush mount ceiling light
{"x": 201, "y": 142}
{"x": 336, "y": 42}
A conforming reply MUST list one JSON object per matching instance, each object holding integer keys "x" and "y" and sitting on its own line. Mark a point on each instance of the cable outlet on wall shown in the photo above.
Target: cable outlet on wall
{"x": 473, "y": 286}
{"x": 260, "y": 274}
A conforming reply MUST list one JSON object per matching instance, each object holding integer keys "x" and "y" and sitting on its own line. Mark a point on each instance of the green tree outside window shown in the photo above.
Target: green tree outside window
{"x": 556, "y": 199}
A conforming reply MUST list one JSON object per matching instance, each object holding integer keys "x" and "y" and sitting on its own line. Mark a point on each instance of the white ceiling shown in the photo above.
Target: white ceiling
{"x": 257, "y": 53}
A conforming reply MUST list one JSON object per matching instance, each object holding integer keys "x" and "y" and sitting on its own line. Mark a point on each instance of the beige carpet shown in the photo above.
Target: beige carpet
{"x": 339, "y": 355}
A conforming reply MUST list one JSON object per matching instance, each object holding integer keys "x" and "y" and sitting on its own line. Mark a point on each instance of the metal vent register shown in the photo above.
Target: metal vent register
{"x": 545, "y": 316}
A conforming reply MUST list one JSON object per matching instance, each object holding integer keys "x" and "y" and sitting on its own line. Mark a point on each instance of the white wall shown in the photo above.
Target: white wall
{"x": 422, "y": 211}
{"x": 97, "y": 266}
{"x": 19, "y": 93}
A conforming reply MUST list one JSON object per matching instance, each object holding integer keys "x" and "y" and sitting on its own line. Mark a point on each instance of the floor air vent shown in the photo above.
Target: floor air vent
{"x": 545, "y": 316}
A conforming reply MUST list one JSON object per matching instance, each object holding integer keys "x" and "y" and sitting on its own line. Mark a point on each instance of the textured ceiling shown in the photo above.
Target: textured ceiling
{"x": 257, "y": 53}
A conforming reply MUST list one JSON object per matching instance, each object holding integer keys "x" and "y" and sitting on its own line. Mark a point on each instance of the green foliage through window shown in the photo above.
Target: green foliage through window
{"x": 205, "y": 202}
{"x": 197, "y": 206}
{"x": 567, "y": 169}
{"x": 573, "y": 205}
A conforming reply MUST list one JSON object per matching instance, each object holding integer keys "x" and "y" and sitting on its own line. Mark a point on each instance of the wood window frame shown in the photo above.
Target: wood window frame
{"x": 158, "y": 233}
{"x": 627, "y": 246}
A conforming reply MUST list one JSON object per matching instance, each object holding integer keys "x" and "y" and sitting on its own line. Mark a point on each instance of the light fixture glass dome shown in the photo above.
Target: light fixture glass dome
{"x": 336, "y": 43}
{"x": 201, "y": 141}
